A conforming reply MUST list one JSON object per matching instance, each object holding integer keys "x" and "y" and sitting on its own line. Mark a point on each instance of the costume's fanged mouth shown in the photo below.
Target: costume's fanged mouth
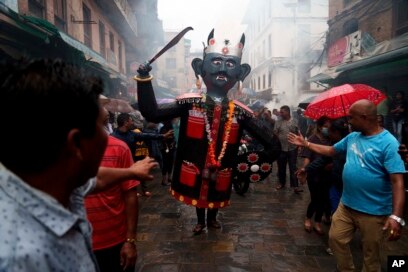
{"x": 221, "y": 78}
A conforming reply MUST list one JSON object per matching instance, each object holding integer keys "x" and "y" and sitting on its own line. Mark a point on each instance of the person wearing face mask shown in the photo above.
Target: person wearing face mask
{"x": 318, "y": 188}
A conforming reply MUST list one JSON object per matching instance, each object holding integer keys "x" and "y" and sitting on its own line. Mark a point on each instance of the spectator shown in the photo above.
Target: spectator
{"x": 168, "y": 149}
{"x": 398, "y": 111}
{"x": 42, "y": 185}
{"x": 317, "y": 182}
{"x": 275, "y": 114}
{"x": 302, "y": 121}
{"x": 124, "y": 132}
{"x": 113, "y": 213}
{"x": 289, "y": 151}
{"x": 154, "y": 145}
{"x": 373, "y": 191}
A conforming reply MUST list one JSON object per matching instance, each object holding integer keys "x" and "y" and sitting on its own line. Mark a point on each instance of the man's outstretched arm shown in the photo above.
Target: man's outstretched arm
{"x": 140, "y": 170}
{"x": 324, "y": 150}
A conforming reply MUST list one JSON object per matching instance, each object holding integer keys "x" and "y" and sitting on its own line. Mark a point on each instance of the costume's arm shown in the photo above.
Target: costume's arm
{"x": 269, "y": 140}
{"x": 128, "y": 253}
{"x": 148, "y": 106}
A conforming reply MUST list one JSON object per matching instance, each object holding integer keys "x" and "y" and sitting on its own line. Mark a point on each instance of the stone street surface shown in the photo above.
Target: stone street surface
{"x": 261, "y": 231}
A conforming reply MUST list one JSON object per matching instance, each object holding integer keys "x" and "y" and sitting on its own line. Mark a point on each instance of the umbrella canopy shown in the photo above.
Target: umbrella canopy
{"x": 115, "y": 105}
{"x": 335, "y": 102}
{"x": 303, "y": 104}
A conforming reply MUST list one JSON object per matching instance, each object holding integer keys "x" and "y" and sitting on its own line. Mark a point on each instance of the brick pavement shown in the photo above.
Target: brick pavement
{"x": 262, "y": 231}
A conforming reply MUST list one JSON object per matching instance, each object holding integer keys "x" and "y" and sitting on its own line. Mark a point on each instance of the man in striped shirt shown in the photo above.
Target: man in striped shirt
{"x": 113, "y": 213}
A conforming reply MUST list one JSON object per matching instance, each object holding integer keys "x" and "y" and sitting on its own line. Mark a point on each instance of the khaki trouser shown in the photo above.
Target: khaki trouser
{"x": 344, "y": 224}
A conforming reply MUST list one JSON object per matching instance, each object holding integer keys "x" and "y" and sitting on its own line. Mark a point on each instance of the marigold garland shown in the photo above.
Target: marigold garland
{"x": 211, "y": 143}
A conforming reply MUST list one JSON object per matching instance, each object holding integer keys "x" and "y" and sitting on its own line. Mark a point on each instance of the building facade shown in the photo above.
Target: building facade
{"x": 368, "y": 43}
{"x": 285, "y": 44}
{"x": 173, "y": 67}
{"x": 103, "y": 34}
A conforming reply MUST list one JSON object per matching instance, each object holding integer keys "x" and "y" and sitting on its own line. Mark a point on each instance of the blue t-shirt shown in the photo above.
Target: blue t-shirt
{"x": 366, "y": 176}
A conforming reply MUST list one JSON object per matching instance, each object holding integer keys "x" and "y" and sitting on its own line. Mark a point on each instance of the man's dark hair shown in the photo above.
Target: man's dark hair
{"x": 122, "y": 119}
{"x": 322, "y": 120}
{"x": 31, "y": 92}
{"x": 341, "y": 126}
{"x": 286, "y": 108}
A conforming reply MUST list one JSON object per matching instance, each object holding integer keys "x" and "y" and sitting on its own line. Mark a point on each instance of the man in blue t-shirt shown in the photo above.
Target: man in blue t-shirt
{"x": 373, "y": 187}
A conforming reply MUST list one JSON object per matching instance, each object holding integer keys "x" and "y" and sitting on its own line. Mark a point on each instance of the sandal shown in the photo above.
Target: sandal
{"x": 279, "y": 187}
{"x": 198, "y": 229}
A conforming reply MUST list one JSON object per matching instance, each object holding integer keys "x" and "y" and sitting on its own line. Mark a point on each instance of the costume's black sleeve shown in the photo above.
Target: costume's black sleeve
{"x": 149, "y": 108}
{"x": 317, "y": 164}
{"x": 263, "y": 135}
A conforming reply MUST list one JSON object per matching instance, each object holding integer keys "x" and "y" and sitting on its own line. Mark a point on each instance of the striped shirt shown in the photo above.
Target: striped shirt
{"x": 107, "y": 210}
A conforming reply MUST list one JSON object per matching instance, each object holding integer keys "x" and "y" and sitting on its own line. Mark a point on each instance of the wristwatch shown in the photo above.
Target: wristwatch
{"x": 400, "y": 220}
{"x": 131, "y": 240}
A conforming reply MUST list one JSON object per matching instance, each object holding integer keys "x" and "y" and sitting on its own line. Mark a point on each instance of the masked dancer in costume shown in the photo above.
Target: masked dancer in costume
{"x": 211, "y": 127}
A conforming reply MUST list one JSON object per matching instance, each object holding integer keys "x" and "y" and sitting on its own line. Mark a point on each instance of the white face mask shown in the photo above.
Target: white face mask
{"x": 325, "y": 131}
{"x": 107, "y": 130}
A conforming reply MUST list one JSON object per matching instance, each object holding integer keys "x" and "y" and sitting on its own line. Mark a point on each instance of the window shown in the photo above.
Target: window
{"x": 263, "y": 50}
{"x": 259, "y": 82}
{"x": 87, "y": 26}
{"x": 120, "y": 56}
{"x": 37, "y": 8}
{"x": 111, "y": 42}
{"x": 304, "y": 6}
{"x": 102, "y": 44}
{"x": 401, "y": 17}
{"x": 60, "y": 14}
{"x": 270, "y": 79}
{"x": 171, "y": 63}
{"x": 270, "y": 45}
{"x": 350, "y": 27}
{"x": 264, "y": 81}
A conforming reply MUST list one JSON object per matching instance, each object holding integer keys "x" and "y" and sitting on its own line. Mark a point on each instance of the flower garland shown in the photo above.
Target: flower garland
{"x": 211, "y": 143}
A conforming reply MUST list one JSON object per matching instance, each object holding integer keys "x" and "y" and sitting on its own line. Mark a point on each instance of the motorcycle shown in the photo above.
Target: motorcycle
{"x": 252, "y": 166}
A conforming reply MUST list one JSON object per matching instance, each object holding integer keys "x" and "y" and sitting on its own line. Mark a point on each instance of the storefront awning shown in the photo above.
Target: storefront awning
{"x": 29, "y": 36}
{"x": 388, "y": 64}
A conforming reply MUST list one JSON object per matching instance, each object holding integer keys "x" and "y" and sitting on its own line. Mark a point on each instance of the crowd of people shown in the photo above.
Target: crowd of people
{"x": 69, "y": 193}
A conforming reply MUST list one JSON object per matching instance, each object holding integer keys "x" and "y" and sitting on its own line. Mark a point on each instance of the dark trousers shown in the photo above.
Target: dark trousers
{"x": 290, "y": 158}
{"x": 211, "y": 215}
{"x": 319, "y": 198}
{"x": 109, "y": 259}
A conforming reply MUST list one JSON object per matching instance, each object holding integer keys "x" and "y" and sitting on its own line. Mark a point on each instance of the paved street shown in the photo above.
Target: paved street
{"x": 262, "y": 231}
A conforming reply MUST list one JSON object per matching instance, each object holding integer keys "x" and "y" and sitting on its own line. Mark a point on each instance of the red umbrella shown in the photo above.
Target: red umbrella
{"x": 335, "y": 102}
